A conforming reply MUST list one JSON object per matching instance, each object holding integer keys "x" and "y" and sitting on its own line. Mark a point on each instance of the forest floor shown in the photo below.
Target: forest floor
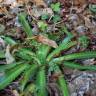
{"x": 51, "y": 21}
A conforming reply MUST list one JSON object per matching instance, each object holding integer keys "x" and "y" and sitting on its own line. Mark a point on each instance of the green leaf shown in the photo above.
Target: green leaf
{"x": 9, "y": 66}
{"x": 44, "y": 16}
{"x": 63, "y": 46}
{"x": 9, "y": 40}
{"x": 30, "y": 89}
{"x": 11, "y": 75}
{"x": 56, "y": 18}
{"x": 78, "y": 66}
{"x": 56, "y": 7}
{"x": 25, "y": 24}
{"x": 63, "y": 86}
{"x": 42, "y": 25}
{"x": 41, "y": 82}
{"x": 92, "y": 7}
{"x": 25, "y": 54}
{"x": 41, "y": 75}
{"x": 65, "y": 30}
{"x": 42, "y": 53}
{"x": 81, "y": 55}
{"x": 29, "y": 72}
{"x": 62, "y": 82}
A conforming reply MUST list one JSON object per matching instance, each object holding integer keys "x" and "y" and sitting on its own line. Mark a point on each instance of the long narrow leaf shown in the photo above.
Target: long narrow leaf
{"x": 41, "y": 82}
{"x": 62, "y": 82}
{"x": 81, "y": 55}
{"x": 8, "y": 66}
{"x": 62, "y": 46}
{"x": 42, "y": 53}
{"x": 78, "y": 66}
{"x": 26, "y": 55}
{"x": 63, "y": 86}
{"x": 9, "y": 40}
{"x": 41, "y": 75}
{"x": 27, "y": 74}
{"x": 25, "y": 25}
{"x": 10, "y": 75}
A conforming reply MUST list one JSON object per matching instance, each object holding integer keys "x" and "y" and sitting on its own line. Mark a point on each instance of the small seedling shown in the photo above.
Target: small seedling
{"x": 56, "y": 18}
{"x": 56, "y": 7}
{"x": 42, "y": 25}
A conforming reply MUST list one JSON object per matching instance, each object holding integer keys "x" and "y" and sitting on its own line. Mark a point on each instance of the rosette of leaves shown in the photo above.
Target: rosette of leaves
{"x": 34, "y": 65}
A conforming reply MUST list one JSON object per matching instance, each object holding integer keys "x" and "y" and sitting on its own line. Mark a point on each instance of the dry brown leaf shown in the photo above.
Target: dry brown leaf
{"x": 88, "y": 23}
{"x": 45, "y": 40}
{"x": 39, "y": 3}
{"x": 8, "y": 55}
{"x": 79, "y": 2}
{"x": 2, "y": 9}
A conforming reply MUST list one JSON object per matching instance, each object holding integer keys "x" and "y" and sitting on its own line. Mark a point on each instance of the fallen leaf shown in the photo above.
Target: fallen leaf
{"x": 40, "y": 3}
{"x": 9, "y": 57}
{"x": 79, "y": 2}
{"x": 45, "y": 40}
{"x": 88, "y": 23}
